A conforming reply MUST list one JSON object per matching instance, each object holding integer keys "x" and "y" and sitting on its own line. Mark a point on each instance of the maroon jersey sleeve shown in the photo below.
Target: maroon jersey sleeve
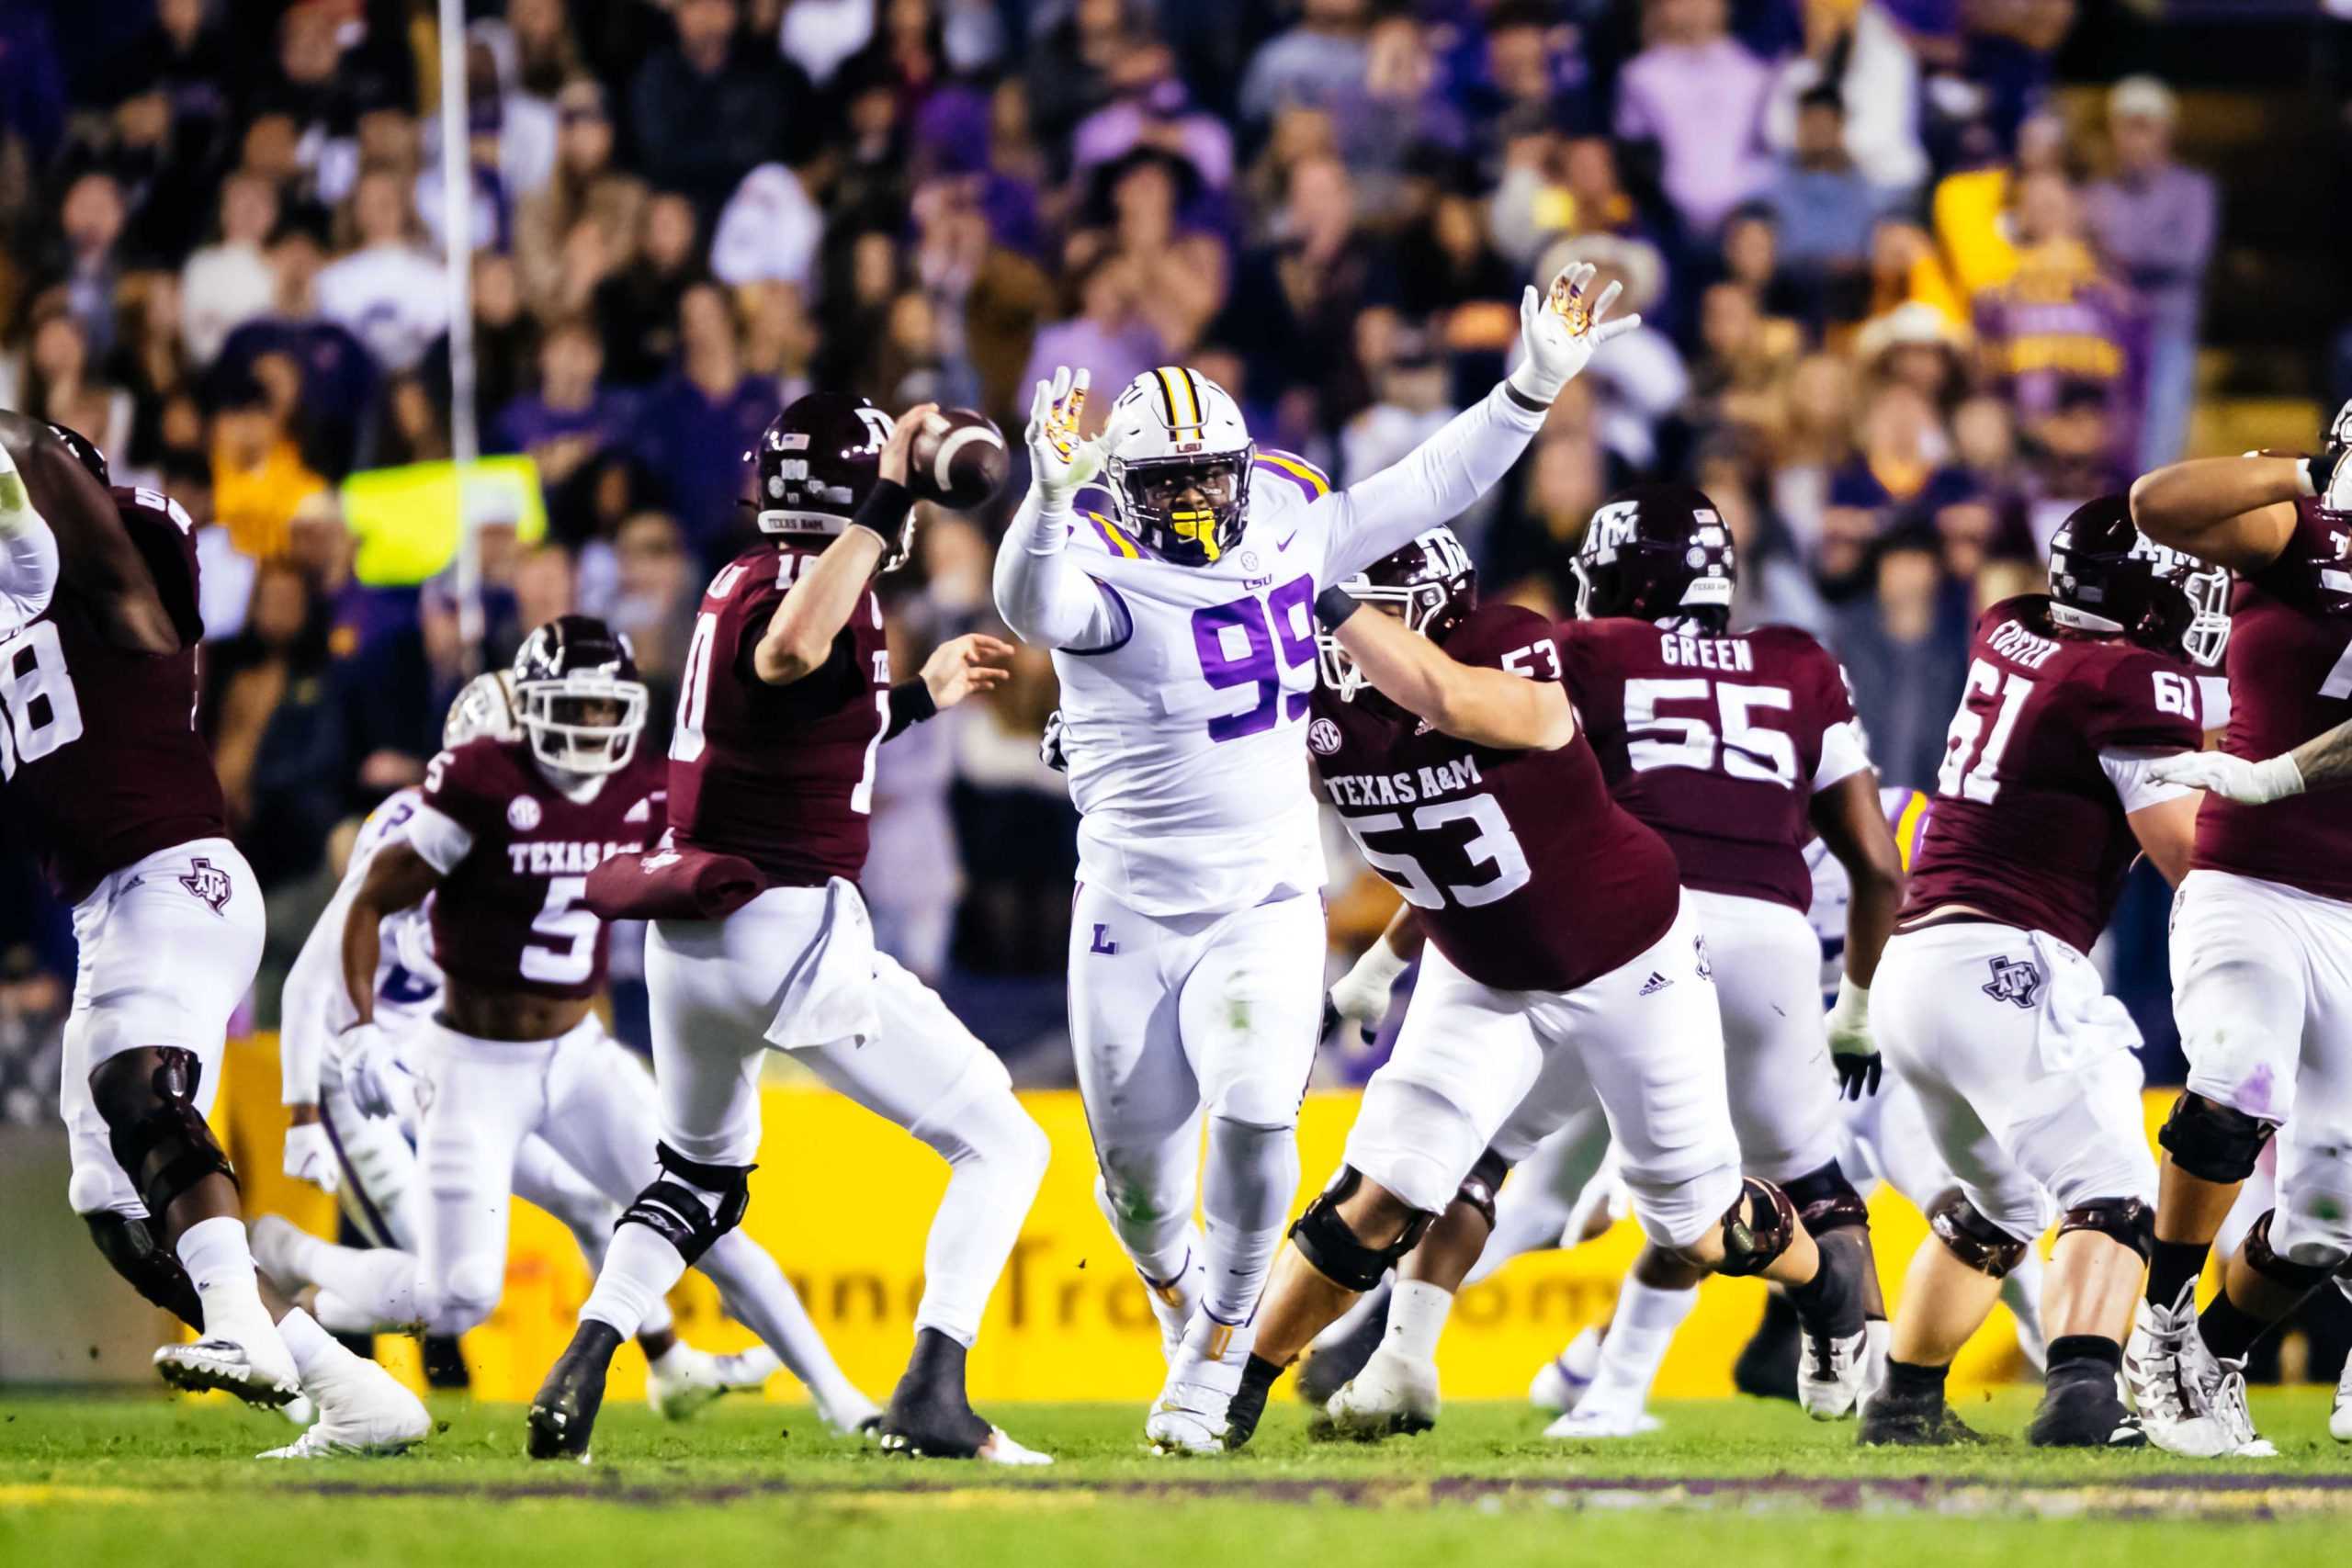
{"x": 2291, "y": 678}
{"x": 471, "y": 786}
{"x": 1507, "y": 638}
{"x": 2149, "y": 703}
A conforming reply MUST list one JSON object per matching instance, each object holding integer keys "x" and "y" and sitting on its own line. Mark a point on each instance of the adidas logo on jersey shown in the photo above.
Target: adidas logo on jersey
{"x": 1655, "y": 983}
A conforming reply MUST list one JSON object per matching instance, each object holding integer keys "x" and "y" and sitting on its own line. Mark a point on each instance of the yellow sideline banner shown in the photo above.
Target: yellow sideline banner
{"x": 843, "y": 1198}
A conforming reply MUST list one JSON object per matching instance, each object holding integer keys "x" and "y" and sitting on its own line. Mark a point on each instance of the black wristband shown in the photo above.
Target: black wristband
{"x": 884, "y": 511}
{"x": 2319, "y": 470}
{"x": 910, "y": 703}
{"x": 1524, "y": 401}
{"x": 1334, "y": 605}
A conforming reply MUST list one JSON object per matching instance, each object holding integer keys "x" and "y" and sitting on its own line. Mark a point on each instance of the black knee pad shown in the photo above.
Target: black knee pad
{"x": 1968, "y": 1236}
{"x": 1758, "y": 1228}
{"x": 672, "y": 1208}
{"x": 156, "y": 1133}
{"x": 1478, "y": 1188}
{"x": 2129, "y": 1221}
{"x": 1824, "y": 1200}
{"x": 2212, "y": 1142}
{"x": 2264, "y": 1260}
{"x": 1324, "y": 1239}
{"x": 130, "y": 1248}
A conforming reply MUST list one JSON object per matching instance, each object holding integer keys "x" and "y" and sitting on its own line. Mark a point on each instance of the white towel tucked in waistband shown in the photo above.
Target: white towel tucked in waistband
{"x": 2080, "y": 1022}
{"x": 829, "y": 993}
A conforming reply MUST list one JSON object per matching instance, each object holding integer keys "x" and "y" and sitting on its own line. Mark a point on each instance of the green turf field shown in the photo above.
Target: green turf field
{"x": 95, "y": 1483}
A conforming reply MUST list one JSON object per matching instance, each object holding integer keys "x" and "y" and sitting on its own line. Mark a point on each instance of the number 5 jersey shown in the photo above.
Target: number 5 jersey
{"x": 1527, "y": 875}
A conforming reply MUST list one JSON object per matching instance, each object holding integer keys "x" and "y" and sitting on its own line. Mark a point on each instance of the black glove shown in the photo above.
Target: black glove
{"x": 1859, "y": 1076}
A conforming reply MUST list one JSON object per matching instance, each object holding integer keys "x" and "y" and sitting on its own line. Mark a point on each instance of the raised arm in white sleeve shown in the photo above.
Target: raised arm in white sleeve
{"x": 1438, "y": 479}
{"x": 27, "y": 551}
{"x": 1045, "y": 595}
{"x": 313, "y": 1008}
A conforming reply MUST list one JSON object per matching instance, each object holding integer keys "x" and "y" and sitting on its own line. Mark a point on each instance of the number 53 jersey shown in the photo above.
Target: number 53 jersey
{"x": 1527, "y": 875}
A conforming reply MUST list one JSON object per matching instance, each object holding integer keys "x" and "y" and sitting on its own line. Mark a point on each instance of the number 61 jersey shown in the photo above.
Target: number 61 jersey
{"x": 1527, "y": 875}
{"x": 98, "y": 745}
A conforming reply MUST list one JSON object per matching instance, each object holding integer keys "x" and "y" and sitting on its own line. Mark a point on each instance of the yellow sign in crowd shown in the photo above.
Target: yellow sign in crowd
{"x": 843, "y": 1199}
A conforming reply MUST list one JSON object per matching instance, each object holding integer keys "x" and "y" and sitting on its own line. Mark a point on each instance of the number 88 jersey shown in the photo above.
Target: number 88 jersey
{"x": 99, "y": 749}
{"x": 1526, "y": 875}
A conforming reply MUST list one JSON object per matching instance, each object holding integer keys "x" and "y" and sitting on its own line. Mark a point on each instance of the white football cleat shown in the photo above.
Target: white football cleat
{"x": 1393, "y": 1395}
{"x": 250, "y": 1361}
{"x": 849, "y": 1414}
{"x": 1878, "y": 1339}
{"x": 363, "y": 1413}
{"x": 2173, "y": 1380}
{"x": 2339, "y": 1420}
{"x": 685, "y": 1381}
{"x": 1586, "y": 1421}
{"x": 2230, "y": 1406}
{"x": 1832, "y": 1374}
{"x": 1561, "y": 1382}
{"x": 1188, "y": 1415}
{"x": 1001, "y": 1449}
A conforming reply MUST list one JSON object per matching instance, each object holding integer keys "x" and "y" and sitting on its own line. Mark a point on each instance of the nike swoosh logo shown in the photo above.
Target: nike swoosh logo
{"x": 1285, "y": 543}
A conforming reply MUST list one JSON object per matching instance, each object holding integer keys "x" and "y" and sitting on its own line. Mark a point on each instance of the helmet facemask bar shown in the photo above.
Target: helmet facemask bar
{"x": 567, "y": 739}
{"x": 1189, "y": 509}
{"x": 1418, "y": 605}
{"x": 2209, "y": 626}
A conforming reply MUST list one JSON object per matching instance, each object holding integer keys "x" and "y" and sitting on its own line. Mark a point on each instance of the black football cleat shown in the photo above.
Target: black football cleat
{"x": 931, "y": 1416}
{"x": 563, "y": 1413}
{"x": 1892, "y": 1421}
{"x": 1325, "y": 1369}
{"x": 2084, "y": 1411}
{"x": 1766, "y": 1367}
{"x": 444, "y": 1367}
{"x": 1248, "y": 1406}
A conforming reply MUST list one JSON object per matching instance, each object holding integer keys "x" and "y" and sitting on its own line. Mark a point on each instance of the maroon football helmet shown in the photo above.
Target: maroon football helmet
{"x": 1432, "y": 586}
{"x": 816, "y": 462}
{"x": 578, "y": 696}
{"x": 1656, "y": 553}
{"x": 2107, "y": 577}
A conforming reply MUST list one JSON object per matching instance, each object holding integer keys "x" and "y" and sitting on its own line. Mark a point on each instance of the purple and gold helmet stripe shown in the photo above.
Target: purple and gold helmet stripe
{"x": 1182, "y": 396}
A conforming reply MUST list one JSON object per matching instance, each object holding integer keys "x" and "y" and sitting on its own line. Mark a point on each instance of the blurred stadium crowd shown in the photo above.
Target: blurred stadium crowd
{"x": 1900, "y": 314}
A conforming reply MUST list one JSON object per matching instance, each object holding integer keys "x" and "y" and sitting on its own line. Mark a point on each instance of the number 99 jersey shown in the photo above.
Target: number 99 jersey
{"x": 1184, "y": 734}
{"x": 98, "y": 744}
{"x": 514, "y": 852}
{"x": 1527, "y": 875}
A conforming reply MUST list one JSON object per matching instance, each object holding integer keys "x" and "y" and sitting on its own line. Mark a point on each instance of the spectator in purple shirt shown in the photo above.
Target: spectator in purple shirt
{"x": 1700, "y": 96}
{"x": 2154, "y": 223}
{"x": 1108, "y": 335}
{"x": 697, "y": 424}
{"x": 566, "y": 425}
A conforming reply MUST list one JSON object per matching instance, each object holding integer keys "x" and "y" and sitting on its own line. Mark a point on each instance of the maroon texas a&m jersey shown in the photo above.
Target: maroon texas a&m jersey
{"x": 1526, "y": 875}
{"x": 511, "y": 914}
{"x": 2026, "y": 825}
{"x": 2291, "y": 678}
{"x": 780, "y": 776}
{"x": 98, "y": 744}
{"x": 1717, "y": 743}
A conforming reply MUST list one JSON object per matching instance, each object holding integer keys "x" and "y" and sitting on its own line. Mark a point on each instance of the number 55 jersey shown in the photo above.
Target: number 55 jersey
{"x": 1528, "y": 878}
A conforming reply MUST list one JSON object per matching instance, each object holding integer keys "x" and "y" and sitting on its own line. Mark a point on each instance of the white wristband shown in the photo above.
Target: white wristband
{"x": 1850, "y": 1013}
{"x": 1380, "y": 964}
{"x": 2278, "y": 776}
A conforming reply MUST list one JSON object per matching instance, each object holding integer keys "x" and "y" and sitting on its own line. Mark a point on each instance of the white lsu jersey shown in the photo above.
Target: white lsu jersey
{"x": 314, "y": 1007}
{"x": 1184, "y": 736}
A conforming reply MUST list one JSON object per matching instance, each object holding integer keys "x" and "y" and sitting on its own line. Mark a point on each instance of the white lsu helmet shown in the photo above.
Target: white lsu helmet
{"x": 1177, "y": 454}
{"x": 485, "y": 706}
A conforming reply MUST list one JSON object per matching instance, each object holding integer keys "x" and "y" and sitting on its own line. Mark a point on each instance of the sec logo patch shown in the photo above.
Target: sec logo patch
{"x": 522, "y": 814}
{"x": 1323, "y": 737}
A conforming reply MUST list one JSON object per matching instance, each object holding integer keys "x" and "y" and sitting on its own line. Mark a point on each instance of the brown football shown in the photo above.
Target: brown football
{"x": 958, "y": 459}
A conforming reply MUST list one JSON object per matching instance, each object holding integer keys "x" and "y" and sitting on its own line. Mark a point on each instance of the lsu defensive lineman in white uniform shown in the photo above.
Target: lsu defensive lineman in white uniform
{"x": 358, "y": 1139}
{"x": 1178, "y": 599}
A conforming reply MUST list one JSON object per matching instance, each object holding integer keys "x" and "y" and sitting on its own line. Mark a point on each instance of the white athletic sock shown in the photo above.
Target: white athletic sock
{"x": 640, "y": 1268}
{"x": 759, "y": 1296}
{"x": 362, "y": 1290}
{"x": 317, "y": 1355}
{"x": 1636, "y": 1344}
{"x": 595, "y": 1239}
{"x": 1417, "y": 1314}
{"x": 1246, "y": 1191}
{"x": 1524, "y": 1223}
{"x": 219, "y": 1264}
{"x": 995, "y": 1156}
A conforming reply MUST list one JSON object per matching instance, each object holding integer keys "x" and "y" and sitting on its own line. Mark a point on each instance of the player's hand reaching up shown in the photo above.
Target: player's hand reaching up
{"x": 311, "y": 1157}
{"x": 2233, "y": 778}
{"x": 961, "y": 666}
{"x": 1060, "y": 459}
{"x": 1560, "y": 331}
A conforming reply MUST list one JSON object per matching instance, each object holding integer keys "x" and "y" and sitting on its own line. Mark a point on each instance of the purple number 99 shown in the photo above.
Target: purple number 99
{"x": 1272, "y": 642}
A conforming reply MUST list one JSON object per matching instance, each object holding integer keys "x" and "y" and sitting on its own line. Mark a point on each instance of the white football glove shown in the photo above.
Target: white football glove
{"x": 2233, "y": 778}
{"x": 1061, "y": 460}
{"x": 1051, "y": 749}
{"x": 311, "y": 1157}
{"x": 365, "y": 1056}
{"x": 1361, "y": 995}
{"x": 1850, "y": 1046}
{"x": 1560, "y": 331}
